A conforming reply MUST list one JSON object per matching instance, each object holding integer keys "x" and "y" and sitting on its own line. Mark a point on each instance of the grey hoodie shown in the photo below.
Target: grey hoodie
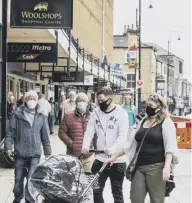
{"x": 27, "y": 139}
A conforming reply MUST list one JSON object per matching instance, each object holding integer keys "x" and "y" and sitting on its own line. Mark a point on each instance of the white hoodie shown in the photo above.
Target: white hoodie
{"x": 111, "y": 130}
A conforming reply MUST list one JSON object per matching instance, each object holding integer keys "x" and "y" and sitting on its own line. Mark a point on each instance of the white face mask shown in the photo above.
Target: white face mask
{"x": 82, "y": 106}
{"x": 31, "y": 104}
{"x": 11, "y": 98}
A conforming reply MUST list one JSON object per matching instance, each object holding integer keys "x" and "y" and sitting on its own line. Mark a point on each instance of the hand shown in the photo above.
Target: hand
{"x": 85, "y": 151}
{"x": 108, "y": 151}
{"x": 166, "y": 173}
{"x": 9, "y": 153}
{"x": 111, "y": 160}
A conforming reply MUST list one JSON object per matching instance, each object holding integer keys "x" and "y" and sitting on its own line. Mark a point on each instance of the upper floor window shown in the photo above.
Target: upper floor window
{"x": 131, "y": 80}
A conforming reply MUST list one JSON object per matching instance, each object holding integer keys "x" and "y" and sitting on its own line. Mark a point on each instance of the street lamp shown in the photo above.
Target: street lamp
{"x": 168, "y": 57}
{"x": 139, "y": 38}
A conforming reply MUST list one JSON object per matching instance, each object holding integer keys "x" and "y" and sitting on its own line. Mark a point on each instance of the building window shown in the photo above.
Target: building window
{"x": 131, "y": 80}
{"x": 165, "y": 70}
{"x": 126, "y": 57}
{"x": 180, "y": 67}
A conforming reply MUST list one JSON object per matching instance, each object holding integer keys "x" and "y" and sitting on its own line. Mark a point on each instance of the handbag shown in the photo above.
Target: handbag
{"x": 170, "y": 185}
{"x": 130, "y": 171}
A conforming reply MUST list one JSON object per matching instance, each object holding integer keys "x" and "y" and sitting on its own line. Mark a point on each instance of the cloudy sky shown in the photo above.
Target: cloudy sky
{"x": 164, "y": 21}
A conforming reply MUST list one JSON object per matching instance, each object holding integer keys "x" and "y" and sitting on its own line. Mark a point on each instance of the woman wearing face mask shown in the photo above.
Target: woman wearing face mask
{"x": 158, "y": 152}
{"x": 72, "y": 130}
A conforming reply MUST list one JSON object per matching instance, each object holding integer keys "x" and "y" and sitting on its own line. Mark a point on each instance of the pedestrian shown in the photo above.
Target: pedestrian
{"x": 72, "y": 130}
{"x": 131, "y": 112}
{"x": 158, "y": 155}
{"x": 10, "y": 105}
{"x": 27, "y": 130}
{"x": 44, "y": 105}
{"x": 61, "y": 103}
{"x": 52, "y": 115}
{"x": 20, "y": 101}
{"x": 69, "y": 105}
{"x": 110, "y": 122}
{"x": 92, "y": 106}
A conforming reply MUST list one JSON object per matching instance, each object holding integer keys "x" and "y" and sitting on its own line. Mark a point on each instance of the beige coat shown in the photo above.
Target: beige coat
{"x": 67, "y": 106}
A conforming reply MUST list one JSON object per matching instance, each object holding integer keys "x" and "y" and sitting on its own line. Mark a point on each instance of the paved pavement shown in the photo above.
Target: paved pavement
{"x": 182, "y": 193}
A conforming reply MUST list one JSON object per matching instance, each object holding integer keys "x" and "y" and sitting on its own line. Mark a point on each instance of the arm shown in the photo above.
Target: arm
{"x": 170, "y": 146}
{"x": 45, "y": 138}
{"x": 63, "y": 111}
{"x": 49, "y": 107}
{"x": 89, "y": 133}
{"x": 123, "y": 124}
{"x": 10, "y": 134}
{"x": 63, "y": 130}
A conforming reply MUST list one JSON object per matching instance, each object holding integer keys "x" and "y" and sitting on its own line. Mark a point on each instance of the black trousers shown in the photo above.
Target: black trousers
{"x": 116, "y": 174}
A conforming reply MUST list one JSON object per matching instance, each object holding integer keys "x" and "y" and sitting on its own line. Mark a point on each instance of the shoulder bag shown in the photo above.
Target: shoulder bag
{"x": 130, "y": 171}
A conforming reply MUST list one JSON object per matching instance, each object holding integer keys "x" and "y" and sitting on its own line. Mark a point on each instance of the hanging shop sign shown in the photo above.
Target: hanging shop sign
{"x": 88, "y": 80}
{"x": 116, "y": 69}
{"x": 64, "y": 77}
{"x": 32, "y": 52}
{"x": 42, "y": 14}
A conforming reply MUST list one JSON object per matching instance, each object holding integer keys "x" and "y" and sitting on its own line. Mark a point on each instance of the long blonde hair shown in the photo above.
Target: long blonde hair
{"x": 164, "y": 112}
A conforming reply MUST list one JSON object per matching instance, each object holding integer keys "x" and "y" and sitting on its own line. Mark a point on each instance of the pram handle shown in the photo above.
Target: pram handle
{"x": 96, "y": 151}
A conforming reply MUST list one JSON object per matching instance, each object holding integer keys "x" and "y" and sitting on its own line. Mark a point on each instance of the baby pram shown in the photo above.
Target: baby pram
{"x": 60, "y": 179}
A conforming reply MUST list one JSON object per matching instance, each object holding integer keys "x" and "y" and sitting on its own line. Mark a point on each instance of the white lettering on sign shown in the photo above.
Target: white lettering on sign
{"x": 29, "y": 57}
{"x": 41, "y": 48}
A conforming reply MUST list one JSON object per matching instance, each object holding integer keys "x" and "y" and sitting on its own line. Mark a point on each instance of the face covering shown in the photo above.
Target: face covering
{"x": 151, "y": 111}
{"x": 82, "y": 106}
{"x": 31, "y": 104}
{"x": 11, "y": 98}
{"x": 104, "y": 105}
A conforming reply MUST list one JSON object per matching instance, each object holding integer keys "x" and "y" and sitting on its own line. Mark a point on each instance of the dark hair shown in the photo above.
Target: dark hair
{"x": 105, "y": 90}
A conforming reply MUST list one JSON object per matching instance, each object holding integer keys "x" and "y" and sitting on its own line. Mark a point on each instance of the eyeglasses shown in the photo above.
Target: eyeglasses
{"x": 154, "y": 97}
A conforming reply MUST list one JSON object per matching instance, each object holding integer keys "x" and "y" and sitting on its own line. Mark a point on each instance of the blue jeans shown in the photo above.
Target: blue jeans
{"x": 51, "y": 120}
{"x": 24, "y": 168}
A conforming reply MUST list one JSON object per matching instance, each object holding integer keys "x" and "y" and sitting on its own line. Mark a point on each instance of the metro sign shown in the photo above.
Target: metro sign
{"x": 139, "y": 84}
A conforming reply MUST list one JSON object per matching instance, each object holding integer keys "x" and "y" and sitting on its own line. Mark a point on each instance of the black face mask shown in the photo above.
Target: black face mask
{"x": 104, "y": 105}
{"x": 151, "y": 111}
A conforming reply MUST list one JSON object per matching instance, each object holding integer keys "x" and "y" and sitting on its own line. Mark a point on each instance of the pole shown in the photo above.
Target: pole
{"x": 139, "y": 71}
{"x": 103, "y": 30}
{"x": 168, "y": 54}
{"x": 4, "y": 70}
{"x": 136, "y": 63}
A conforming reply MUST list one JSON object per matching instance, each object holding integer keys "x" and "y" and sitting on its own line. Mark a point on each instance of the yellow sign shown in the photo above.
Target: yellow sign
{"x": 132, "y": 55}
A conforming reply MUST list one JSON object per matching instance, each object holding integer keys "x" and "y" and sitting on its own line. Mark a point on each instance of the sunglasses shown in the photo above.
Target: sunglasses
{"x": 154, "y": 97}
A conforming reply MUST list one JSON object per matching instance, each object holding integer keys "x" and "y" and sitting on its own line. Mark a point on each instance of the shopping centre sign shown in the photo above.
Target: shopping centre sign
{"x": 32, "y": 52}
{"x": 42, "y": 14}
{"x": 65, "y": 77}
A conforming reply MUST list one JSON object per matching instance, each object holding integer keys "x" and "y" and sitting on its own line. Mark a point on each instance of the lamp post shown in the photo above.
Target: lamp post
{"x": 168, "y": 58}
{"x": 139, "y": 39}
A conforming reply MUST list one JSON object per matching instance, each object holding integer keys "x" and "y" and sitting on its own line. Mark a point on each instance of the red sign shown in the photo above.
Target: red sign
{"x": 139, "y": 83}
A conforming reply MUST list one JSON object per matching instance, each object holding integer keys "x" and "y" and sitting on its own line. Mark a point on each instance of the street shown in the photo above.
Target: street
{"x": 181, "y": 194}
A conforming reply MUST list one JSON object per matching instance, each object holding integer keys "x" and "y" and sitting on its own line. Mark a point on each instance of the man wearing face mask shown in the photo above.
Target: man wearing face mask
{"x": 110, "y": 122}
{"x": 27, "y": 130}
{"x": 69, "y": 105}
{"x": 72, "y": 129}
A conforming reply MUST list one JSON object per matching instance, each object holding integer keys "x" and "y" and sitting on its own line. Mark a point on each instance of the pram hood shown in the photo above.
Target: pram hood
{"x": 60, "y": 178}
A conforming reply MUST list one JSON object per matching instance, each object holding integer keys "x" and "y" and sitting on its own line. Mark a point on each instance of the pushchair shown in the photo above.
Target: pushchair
{"x": 60, "y": 179}
{"x": 5, "y": 160}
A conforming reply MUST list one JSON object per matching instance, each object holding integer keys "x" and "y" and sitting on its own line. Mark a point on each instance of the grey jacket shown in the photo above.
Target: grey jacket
{"x": 27, "y": 140}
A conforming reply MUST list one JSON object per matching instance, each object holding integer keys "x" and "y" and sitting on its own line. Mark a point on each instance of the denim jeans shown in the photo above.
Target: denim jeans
{"x": 51, "y": 120}
{"x": 116, "y": 173}
{"x": 24, "y": 168}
